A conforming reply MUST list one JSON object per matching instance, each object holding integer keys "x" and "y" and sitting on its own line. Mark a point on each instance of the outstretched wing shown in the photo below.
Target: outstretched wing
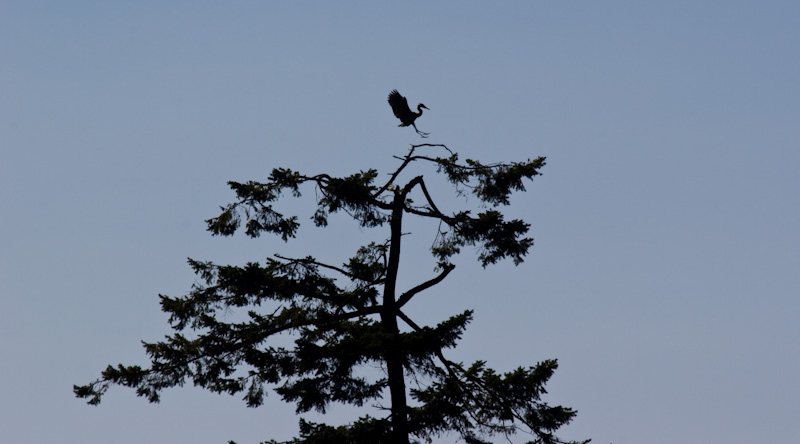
{"x": 399, "y": 106}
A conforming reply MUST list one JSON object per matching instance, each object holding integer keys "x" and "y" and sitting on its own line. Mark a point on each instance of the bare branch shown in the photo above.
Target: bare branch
{"x": 418, "y": 212}
{"x": 408, "y": 158}
{"x": 313, "y": 262}
{"x": 428, "y": 197}
{"x": 405, "y": 297}
{"x": 433, "y": 145}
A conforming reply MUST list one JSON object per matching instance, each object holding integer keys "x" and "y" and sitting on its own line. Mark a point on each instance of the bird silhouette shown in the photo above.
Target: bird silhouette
{"x": 401, "y": 110}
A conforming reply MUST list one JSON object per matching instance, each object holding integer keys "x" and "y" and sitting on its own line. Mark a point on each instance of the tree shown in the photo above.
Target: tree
{"x": 338, "y": 329}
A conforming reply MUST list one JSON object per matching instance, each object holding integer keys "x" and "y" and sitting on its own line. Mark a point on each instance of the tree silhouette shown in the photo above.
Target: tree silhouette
{"x": 337, "y": 329}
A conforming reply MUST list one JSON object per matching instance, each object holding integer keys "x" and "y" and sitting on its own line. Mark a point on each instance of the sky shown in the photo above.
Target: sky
{"x": 666, "y": 270}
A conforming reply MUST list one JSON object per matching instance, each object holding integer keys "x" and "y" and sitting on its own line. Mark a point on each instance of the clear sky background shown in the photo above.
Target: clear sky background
{"x": 666, "y": 271}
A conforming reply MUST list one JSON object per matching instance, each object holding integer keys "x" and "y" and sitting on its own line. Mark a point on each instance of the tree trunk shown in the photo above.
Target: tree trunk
{"x": 393, "y": 355}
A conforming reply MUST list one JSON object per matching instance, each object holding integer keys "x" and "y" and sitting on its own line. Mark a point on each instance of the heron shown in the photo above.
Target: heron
{"x": 401, "y": 110}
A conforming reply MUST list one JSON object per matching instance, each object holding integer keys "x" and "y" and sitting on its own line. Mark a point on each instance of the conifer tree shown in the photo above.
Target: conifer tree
{"x": 344, "y": 317}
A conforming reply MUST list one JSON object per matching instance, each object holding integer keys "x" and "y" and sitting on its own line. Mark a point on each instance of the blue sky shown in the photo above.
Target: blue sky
{"x": 665, "y": 272}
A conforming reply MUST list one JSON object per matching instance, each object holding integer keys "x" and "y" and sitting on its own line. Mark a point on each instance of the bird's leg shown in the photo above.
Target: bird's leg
{"x": 421, "y": 133}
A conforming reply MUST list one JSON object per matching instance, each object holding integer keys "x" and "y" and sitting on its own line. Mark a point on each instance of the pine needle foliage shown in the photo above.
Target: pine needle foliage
{"x": 337, "y": 330}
